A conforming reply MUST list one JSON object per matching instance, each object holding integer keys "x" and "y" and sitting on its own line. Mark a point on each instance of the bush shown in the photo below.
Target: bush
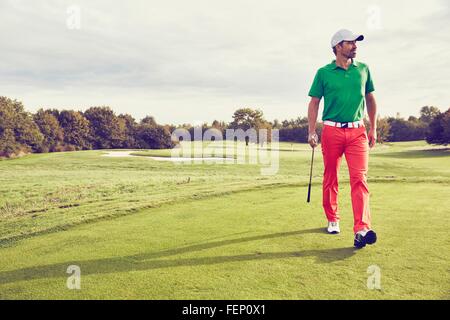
{"x": 19, "y": 134}
{"x": 51, "y": 130}
{"x": 107, "y": 131}
{"x": 439, "y": 129}
{"x": 150, "y": 137}
{"x": 76, "y": 129}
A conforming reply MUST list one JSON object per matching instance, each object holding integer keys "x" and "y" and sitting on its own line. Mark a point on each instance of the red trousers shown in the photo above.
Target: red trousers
{"x": 352, "y": 142}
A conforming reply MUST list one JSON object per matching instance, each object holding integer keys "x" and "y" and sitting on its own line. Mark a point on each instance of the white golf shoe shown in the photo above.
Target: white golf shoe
{"x": 333, "y": 227}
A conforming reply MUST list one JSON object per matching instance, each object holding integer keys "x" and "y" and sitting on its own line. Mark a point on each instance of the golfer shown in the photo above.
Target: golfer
{"x": 346, "y": 86}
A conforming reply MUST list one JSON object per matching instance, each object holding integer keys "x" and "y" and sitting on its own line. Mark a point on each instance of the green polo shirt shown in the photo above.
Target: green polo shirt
{"x": 343, "y": 91}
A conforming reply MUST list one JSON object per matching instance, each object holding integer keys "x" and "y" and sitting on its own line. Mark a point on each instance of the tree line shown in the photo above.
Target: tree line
{"x": 432, "y": 125}
{"x": 52, "y": 130}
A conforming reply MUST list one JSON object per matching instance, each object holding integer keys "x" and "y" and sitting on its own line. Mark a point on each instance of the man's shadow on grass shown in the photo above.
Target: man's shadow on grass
{"x": 148, "y": 261}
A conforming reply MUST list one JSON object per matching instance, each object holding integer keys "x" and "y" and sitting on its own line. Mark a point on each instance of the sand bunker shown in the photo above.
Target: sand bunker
{"x": 127, "y": 154}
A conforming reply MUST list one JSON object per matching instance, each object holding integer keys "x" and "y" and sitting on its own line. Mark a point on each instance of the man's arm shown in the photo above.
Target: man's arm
{"x": 313, "y": 111}
{"x": 372, "y": 111}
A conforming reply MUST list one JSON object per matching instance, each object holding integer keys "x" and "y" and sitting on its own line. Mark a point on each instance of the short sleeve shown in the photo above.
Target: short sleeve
{"x": 369, "y": 82}
{"x": 317, "y": 86}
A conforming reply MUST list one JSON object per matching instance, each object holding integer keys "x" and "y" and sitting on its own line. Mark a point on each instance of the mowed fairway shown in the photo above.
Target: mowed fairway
{"x": 144, "y": 229}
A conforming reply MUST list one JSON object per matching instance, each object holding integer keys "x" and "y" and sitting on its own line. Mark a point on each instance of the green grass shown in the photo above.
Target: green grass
{"x": 142, "y": 229}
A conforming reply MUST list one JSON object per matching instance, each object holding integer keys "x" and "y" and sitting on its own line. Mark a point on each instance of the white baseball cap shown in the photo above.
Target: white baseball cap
{"x": 345, "y": 35}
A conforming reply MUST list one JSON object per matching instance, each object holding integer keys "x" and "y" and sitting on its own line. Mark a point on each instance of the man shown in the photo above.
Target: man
{"x": 345, "y": 84}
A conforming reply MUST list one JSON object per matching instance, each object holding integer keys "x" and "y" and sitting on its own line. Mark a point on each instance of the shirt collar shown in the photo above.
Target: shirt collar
{"x": 335, "y": 66}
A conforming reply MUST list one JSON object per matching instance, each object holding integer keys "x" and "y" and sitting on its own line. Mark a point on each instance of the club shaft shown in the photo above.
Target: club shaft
{"x": 310, "y": 177}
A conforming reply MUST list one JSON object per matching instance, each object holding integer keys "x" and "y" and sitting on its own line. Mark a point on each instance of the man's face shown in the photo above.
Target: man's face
{"x": 348, "y": 49}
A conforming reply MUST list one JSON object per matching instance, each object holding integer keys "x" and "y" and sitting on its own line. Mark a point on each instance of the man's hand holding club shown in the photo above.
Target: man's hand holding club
{"x": 313, "y": 139}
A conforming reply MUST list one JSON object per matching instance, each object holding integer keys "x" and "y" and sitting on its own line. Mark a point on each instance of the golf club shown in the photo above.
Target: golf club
{"x": 310, "y": 177}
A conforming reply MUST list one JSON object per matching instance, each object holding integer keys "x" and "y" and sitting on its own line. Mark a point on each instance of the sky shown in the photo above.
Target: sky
{"x": 199, "y": 60}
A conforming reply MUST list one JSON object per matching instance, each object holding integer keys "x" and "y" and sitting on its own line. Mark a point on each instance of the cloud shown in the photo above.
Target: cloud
{"x": 183, "y": 61}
